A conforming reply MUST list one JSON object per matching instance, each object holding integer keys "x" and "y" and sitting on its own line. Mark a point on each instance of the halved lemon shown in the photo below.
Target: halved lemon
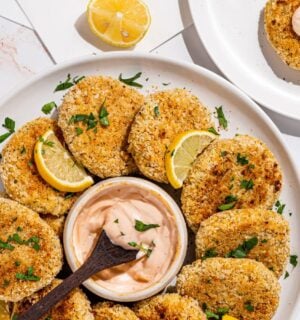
{"x": 182, "y": 153}
{"x": 57, "y": 166}
{"x": 121, "y": 23}
{"x": 226, "y": 317}
{"x": 4, "y": 311}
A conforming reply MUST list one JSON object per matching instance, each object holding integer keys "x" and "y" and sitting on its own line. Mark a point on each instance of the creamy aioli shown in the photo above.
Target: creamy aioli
{"x": 115, "y": 209}
{"x": 296, "y": 21}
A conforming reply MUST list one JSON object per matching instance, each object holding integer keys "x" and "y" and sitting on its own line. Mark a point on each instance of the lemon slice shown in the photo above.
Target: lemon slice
{"x": 121, "y": 23}
{"x": 182, "y": 153}
{"x": 4, "y": 311}
{"x": 57, "y": 167}
{"x": 226, "y": 317}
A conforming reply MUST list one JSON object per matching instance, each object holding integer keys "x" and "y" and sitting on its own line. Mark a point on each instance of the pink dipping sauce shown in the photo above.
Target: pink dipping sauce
{"x": 115, "y": 209}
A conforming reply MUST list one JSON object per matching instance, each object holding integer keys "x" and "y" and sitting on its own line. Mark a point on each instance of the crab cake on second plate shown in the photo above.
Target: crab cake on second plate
{"x": 257, "y": 234}
{"x": 169, "y": 306}
{"x": 30, "y": 252}
{"x": 279, "y": 29}
{"x": 231, "y": 173}
{"x": 19, "y": 174}
{"x": 95, "y": 117}
{"x": 110, "y": 311}
{"x": 164, "y": 115}
{"x": 245, "y": 287}
{"x": 75, "y": 306}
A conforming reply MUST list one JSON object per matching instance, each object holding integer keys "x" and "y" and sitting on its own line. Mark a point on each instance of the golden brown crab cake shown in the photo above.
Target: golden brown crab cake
{"x": 261, "y": 235}
{"x": 110, "y": 311}
{"x": 56, "y": 223}
{"x": 30, "y": 252}
{"x": 169, "y": 306}
{"x": 231, "y": 173}
{"x": 19, "y": 174}
{"x": 245, "y": 287}
{"x": 279, "y": 29}
{"x": 164, "y": 115}
{"x": 101, "y": 149}
{"x": 75, "y": 306}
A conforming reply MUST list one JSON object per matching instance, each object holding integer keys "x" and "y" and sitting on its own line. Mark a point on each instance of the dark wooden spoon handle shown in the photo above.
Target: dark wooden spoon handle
{"x": 61, "y": 291}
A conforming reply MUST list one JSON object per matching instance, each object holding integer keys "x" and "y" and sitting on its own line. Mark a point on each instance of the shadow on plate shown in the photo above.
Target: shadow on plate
{"x": 280, "y": 69}
{"x": 82, "y": 27}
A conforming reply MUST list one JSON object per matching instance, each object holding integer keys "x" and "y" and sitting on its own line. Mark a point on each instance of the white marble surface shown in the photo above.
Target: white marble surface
{"x": 23, "y": 54}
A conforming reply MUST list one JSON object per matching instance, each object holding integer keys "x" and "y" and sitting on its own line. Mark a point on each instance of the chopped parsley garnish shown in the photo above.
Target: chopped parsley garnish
{"x": 116, "y": 221}
{"x": 264, "y": 241}
{"x": 247, "y": 184}
{"x": 19, "y": 229}
{"x": 46, "y": 142}
{"x": 221, "y": 117}
{"x": 294, "y": 260}
{"x": 32, "y": 242}
{"x": 230, "y": 202}
{"x": 172, "y": 153}
{"x": 68, "y": 83}
{"x": 9, "y": 125}
{"x": 213, "y": 130}
{"x": 141, "y": 247}
{"x": 141, "y": 226}
{"x": 48, "y": 107}
{"x": 279, "y": 207}
{"x": 5, "y": 283}
{"x": 218, "y": 315}
{"x": 132, "y": 244}
{"x": 79, "y": 131}
{"x": 6, "y": 245}
{"x": 248, "y": 306}
{"x": 17, "y": 263}
{"x": 242, "y": 160}
{"x": 209, "y": 253}
{"x": 242, "y": 250}
{"x": 23, "y": 150}
{"x": 224, "y": 153}
{"x": 286, "y": 275}
{"x": 29, "y": 276}
{"x": 211, "y": 315}
{"x": 69, "y": 195}
{"x": 156, "y": 111}
{"x": 89, "y": 120}
{"x": 131, "y": 81}
{"x": 103, "y": 115}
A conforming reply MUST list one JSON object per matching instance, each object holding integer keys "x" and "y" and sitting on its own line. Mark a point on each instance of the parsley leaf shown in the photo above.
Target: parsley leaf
{"x": 9, "y": 125}
{"x": 29, "y": 276}
{"x": 221, "y": 117}
{"x": 6, "y": 245}
{"x": 213, "y": 130}
{"x": 209, "y": 253}
{"x": 242, "y": 250}
{"x": 242, "y": 160}
{"x": 131, "y": 81}
{"x": 46, "y": 142}
{"x": 79, "y": 131}
{"x": 68, "y": 83}
{"x": 247, "y": 184}
{"x": 141, "y": 226}
{"x": 103, "y": 115}
{"x": 48, "y": 107}
{"x": 211, "y": 315}
{"x": 156, "y": 111}
{"x": 294, "y": 260}
{"x": 279, "y": 207}
{"x": 230, "y": 202}
{"x": 248, "y": 306}
{"x": 286, "y": 275}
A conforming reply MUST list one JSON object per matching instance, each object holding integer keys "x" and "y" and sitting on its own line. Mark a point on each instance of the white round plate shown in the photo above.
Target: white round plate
{"x": 244, "y": 116}
{"x": 233, "y": 33}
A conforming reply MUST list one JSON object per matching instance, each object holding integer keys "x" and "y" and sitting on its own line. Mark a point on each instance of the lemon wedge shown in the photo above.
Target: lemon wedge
{"x": 57, "y": 167}
{"x": 182, "y": 153}
{"x": 121, "y": 23}
{"x": 226, "y": 317}
{"x": 4, "y": 311}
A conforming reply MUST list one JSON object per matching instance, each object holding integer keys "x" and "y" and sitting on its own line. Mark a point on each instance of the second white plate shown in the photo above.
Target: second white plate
{"x": 233, "y": 33}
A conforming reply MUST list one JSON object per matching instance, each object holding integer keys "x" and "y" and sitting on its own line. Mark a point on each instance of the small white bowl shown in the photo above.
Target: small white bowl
{"x": 90, "y": 284}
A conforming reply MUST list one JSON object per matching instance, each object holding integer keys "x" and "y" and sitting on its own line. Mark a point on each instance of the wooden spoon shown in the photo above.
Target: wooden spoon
{"x": 105, "y": 255}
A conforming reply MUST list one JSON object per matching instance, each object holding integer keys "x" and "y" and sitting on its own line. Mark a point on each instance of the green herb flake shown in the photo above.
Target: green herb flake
{"x": 69, "y": 195}
{"x": 248, "y": 306}
{"x": 23, "y": 150}
{"x": 242, "y": 160}
{"x": 142, "y": 227}
{"x": 9, "y": 125}
{"x": 264, "y": 241}
{"x": 46, "y": 142}
{"x": 279, "y": 207}
{"x": 103, "y": 115}
{"x": 294, "y": 260}
{"x": 166, "y": 83}
{"x": 222, "y": 311}
{"x": 213, "y": 130}
{"x": 211, "y": 315}
{"x": 286, "y": 275}
{"x": 19, "y": 229}
{"x": 172, "y": 153}
{"x": 79, "y": 131}
{"x": 247, "y": 184}
{"x": 230, "y": 202}
{"x": 224, "y": 153}
{"x": 132, "y": 244}
{"x": 242, "y": 250}
{"x": 116, "y": 221}
{"x": 5, "y": 283}
{"x": 156, "y": 111}
{"x": 28, "y": 276}
{"x": 17, "y": 263}
{"x": 68, "y": 83}
{"x": 221, "y": 117}
{"x": 48, "y": 107}
{"x": 131, "y": 81}
{"x": 209, "y": 253}
{"x": 6, "y": 245}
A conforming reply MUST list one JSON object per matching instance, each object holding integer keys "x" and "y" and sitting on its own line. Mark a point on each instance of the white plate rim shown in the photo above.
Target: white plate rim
{"x": 188, "y": 66}
{"x": 214, "y": 51}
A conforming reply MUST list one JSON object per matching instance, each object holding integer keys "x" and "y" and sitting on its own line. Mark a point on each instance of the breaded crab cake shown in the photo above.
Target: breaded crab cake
{"x": 164, "y": 115}
{"x": 279, "y": 28}
{"x": 246, "y": 288}
{"x": 19, "y": 174}
{"x": 30, "y": 252}
{"x": 257, "y": 234}
{"x": 169, "y": 306}
{"x": 95, "y": 117}
{"x": 75, "y": 306}
{"x": 231, "y": 174}
{"x": 110, "y": 311}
